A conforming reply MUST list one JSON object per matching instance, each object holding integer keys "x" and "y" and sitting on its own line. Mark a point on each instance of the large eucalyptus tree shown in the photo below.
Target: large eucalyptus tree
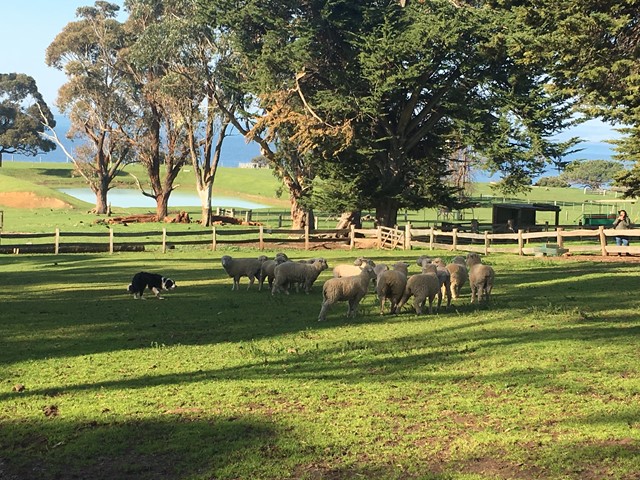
{"x": 94, "y": 97}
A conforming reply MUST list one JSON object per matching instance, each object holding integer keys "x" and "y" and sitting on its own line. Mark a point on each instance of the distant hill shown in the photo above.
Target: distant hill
{"x": 235, "y": 149}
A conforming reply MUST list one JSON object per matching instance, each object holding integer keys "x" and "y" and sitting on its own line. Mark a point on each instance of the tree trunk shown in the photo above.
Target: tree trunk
{"x": 354, "y": 217}
{"x": 162, "y": 205}
{"x": 205, "y": 203}
{"x": 101, "y": 200}
{"x": 387, "y": 213}
{"x": 298, "y": 214}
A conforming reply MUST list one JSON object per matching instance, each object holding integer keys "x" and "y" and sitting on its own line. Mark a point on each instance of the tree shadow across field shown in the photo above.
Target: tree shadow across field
{"x": 171, "y": 447}
{"x": 89, "y": 302}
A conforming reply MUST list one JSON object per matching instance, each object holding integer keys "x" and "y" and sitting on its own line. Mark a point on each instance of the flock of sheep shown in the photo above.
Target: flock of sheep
{"x": 350, "y": 283}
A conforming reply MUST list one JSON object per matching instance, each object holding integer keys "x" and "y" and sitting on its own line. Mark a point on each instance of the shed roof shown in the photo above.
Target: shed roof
{"x": 543, "y": 207}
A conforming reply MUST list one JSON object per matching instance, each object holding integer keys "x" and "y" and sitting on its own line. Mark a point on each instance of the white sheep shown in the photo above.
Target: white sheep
{"x": 481, "y": 278}
{"x": 242, "y": 267}
{"x": 459, "y": 276}
{"x": 459, "y": 260}
{"x": 352, "y": 289}
{"x": 391, "y": 284}
{"x": 444, "y": 276}
{"x": 423, "y": 260}
{"x": 346, "y": 270}
{"x": 423, "y": 287}
{"x": 304, "y": 274}
{"x": 267, "y": 270}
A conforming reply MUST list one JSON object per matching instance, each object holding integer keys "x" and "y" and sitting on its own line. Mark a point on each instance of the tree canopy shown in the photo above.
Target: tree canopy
{"x": 591, "y": 173}
{"x": 381, "y": 96}
{"x": 21, "y": 111}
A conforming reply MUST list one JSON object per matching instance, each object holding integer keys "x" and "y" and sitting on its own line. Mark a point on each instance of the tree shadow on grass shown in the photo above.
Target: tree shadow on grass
{"x": 174, "y": 447}
{"x": 72, "y": 305}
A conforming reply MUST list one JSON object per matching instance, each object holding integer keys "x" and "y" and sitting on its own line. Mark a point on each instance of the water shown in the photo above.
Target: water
{"x": 126, "y": 198}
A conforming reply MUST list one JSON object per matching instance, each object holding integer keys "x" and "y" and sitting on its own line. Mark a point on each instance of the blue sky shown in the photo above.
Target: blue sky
{"x": 35, "y": 23}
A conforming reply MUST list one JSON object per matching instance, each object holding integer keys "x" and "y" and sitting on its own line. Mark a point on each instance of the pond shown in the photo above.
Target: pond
{"x": 125, "y": 198}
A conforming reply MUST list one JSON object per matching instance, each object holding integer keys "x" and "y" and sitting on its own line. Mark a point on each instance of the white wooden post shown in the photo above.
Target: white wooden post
{"x": 213, "y": 239}
{"x": 603, "y": 240}
{"x": 407, "y": 236}
{"x": 56, "y": 247}
{"x": 110, "y": 239}
{"x": 454, "y": 239}
{"x": 520, "y": 242}
{"x": 261, "y": 239}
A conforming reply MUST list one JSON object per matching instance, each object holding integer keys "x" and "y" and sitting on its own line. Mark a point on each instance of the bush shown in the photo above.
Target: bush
{"x": 551, "y": 182}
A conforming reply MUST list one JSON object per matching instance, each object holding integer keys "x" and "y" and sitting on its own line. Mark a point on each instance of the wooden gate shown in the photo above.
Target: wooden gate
{"x": 391, "y": 238}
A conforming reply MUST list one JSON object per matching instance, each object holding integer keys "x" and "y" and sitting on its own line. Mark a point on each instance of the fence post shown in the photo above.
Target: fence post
{"x": 56, "y": 247}
{"x": 559, "y": 238}
{"x": 247, "y": 216}
{"x": 407, "y": 236}
{"x": 110, "y": 239}
{"x": 306, "y": 236}
{"x": 261, "y": 239}
{"x": 379, "y": 237}
{"x": 213, "y": 238}
{"x": 603, "y": 240}
{"x": 352, "y": 237}
{"x": 486, "y": 242}
{"x": 454, "y": 239}
{"x": 279, "y": 221}
{"x": 520, "y": 242}
{"x": 164, "y": 239}
{"x": 432, "y": 238}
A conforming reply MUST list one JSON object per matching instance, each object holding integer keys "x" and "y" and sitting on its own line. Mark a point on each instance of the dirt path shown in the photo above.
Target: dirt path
{"x": 30, "y": 200}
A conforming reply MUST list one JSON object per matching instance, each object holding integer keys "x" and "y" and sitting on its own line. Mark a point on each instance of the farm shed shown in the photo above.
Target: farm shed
{"x": 509, "y": 217}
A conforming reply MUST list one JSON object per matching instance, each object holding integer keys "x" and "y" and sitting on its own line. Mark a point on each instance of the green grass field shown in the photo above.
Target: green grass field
{"x": 542, "y": 383}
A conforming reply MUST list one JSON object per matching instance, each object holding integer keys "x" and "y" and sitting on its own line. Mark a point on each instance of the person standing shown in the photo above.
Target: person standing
{"x": 622, "y": 223}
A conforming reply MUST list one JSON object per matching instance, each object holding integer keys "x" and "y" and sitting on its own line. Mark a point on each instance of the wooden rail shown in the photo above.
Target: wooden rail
{"x": 579, "y": 240}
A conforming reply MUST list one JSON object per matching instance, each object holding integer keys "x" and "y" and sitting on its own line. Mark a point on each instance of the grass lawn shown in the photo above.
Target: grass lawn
{"x": 543, "y": 383}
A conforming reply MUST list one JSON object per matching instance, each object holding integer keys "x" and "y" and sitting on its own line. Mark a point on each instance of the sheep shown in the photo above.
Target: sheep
{"x": 346, "y": 270}
{"x": 242, "y": 267}
{"x": 444, "y": 277}
{"x": 379, "y": 268}
{"x": 423, "y": 260}
{"x": 459, "y": 276}
{"x": 481, "y": 278}
{"x": 352, "y": 289}
{"x": 391, "y": 284}
{"x": 267, "y": 269}
{"x": 459, "y": 260}
{"x": 304, "y": 274}
{"x": 422, "y": 286}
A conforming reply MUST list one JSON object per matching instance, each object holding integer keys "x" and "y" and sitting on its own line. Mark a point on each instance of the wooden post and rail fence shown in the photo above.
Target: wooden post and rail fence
{"x": 561, "y": 240}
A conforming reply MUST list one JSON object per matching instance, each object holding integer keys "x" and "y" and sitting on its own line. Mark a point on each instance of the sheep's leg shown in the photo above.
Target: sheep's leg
{"x": 403, "y": 300}
{"x": 439, "y": 301}
{"x": 448, "y": 294}
{"x": 382, "y": 300}
{"x": 323, "y": 311}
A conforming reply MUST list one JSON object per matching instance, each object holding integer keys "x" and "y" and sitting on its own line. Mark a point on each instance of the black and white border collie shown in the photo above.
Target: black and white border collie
{"x": 156, "y": 283}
